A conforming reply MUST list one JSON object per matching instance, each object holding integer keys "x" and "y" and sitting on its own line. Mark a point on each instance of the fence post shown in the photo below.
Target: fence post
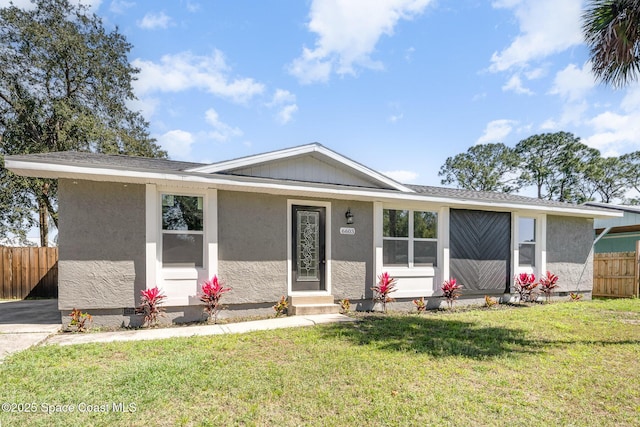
{"x": 636, "y": 280}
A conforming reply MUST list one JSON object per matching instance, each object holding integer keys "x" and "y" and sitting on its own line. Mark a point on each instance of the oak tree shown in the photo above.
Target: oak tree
{"x": 65, "y": 82}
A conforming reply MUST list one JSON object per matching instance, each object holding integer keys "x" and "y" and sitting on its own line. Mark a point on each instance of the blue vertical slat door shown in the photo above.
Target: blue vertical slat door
{"x": 480, "y": 250}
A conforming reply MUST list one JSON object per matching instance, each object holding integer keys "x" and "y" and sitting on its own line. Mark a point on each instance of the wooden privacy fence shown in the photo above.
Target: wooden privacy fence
{"x": 28, "y": 272}
{"x": 616, "y": 274}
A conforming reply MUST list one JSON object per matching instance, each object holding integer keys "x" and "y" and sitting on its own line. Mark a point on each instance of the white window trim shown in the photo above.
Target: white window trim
{"x": 327, "y": 241}
{"x": 156, "y": 275}
{"x": 540, "y": 244}
{"x": 175, "y": 271}
{"x": 410, "y": 239}
{"x": 431, "y": 277}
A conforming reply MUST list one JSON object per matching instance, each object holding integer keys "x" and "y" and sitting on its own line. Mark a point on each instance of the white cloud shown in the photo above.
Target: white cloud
{"x": 573, "y": 83}
{"x": 222, "y": 132}
{"x": 515, "y": 84}
{"x": 536, "y": 73}
{"x": 408, "y": 54}
{"x": 183, "y": 71}
{"x": 546, "y": 27}
{"x": 285, "y": 114}
{"x": 152, "y": 21}
{"x": 614, "y": 131}
{"x": 631, "y": 101}
{"x": 406, "y": 177}
{"x": 120, "y": 6}
{"x": 177, "y": 143}
{"x": 549, "y": 125}
{"x": 395, "y": 118}
{"x": 146, "y": 106}
{"x": 282, "y": 96}
{"x": 193, "y": 7}
{"x": 285, "y": 103}
{"x": 345, "y": 39}
{"x": 496, "y": 131}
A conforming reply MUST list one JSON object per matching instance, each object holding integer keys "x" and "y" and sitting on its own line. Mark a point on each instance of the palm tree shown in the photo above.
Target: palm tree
{"x": 612, "y": 31}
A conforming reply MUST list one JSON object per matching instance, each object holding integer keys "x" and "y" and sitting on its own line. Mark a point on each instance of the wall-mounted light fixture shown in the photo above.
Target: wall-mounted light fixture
{"x": 349, "y": 216}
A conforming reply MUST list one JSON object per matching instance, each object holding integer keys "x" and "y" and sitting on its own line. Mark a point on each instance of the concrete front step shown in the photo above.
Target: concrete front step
{"x": 306, "y": 309}
{"x": 316, "y": 299}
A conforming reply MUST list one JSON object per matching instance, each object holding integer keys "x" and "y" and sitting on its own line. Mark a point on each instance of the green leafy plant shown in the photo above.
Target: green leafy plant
{"x": 421, "y": 306}
{"x": 451, "y": 291}
{"x": 211, "y": 293}
{"x": 548, "y": 284}
{"x": 525, "y": 285}
{"x": 79, "y": 320}
{"x": 575, "y": 296}
{"x": 281, "y": 306}
{"x": 150, "y": 305}
{"x": 385, "y": 286}
{"x": 490, "y": 302}
{"x": 345, "y": 305}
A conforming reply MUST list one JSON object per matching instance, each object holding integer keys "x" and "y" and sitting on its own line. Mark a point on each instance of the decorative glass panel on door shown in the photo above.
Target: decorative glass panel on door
{"x": 308, "y": 245}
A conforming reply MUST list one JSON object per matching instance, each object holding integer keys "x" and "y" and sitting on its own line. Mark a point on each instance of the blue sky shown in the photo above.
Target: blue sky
{"x": 397, "y": 85}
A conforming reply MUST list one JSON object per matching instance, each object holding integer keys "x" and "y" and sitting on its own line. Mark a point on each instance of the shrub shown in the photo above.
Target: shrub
{"x": 281, "y": 306}
{"x": 211, "y": 293}
{"x": 420, "y": 304}
{"x": 150, "y": 305}
{"x": 548, "y": 284}
{"x": 490, "y": 302}
{"x": 451, "y": 291}
{"x": 79, "y": 320}
{"x": 575, "y": 296}
{"x": 345, "y": 305}
{"x": 386, "y": 284}
{"x": 525, "y": 285}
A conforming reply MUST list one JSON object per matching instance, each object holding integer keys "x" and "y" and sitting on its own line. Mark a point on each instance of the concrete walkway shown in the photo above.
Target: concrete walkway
{"x": 191, "y": 331}
{"x": 24, "y": 324}
{"x": 27, "y": 323}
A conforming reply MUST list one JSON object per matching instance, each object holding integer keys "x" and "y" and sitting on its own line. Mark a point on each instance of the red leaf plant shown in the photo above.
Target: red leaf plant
{"x": 451, "y": 291}
{"x": 150, "y": 305}
{"x": 548, "y": 284}
{"x": 525, "y": 285}
{"x": 420, "y": 304}
{"x": 386, "y": 284}
{"x": 211, "y": 292}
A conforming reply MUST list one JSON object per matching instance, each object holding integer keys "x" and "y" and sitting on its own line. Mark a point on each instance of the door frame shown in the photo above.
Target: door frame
{"x": 327, "y": 240}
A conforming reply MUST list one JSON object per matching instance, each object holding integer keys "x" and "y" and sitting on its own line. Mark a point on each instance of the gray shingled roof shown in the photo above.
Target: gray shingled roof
{"x": 485, "y": 196}
{"x": 143, "y": 163}
{"x": 107, "y": 160}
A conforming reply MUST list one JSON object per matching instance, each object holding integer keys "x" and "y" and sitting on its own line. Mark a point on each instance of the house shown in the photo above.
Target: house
{"x": 304, "y": 222}
{"x": 617, "y": 234}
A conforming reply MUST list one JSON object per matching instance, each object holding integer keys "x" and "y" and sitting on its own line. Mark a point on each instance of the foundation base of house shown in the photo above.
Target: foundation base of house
{"x": 312, "y": 305}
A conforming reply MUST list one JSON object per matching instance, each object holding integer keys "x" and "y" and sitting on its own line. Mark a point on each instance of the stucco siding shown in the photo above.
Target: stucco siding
{"x": 252, "y": 249}
{"x": 569, "y": 253}
{"x": 101, "y": 244}
{"x": 352, "y": 255}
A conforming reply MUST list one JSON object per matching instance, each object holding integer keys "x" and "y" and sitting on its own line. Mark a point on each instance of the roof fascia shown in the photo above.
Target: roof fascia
{"x": 233, "y": 183}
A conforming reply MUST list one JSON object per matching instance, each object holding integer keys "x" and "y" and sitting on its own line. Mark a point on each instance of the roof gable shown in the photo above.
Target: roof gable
{"x": 308, "y": 163}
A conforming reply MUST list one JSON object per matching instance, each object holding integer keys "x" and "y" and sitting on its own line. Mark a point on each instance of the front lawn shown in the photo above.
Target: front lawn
{"x": 555, "y": 364}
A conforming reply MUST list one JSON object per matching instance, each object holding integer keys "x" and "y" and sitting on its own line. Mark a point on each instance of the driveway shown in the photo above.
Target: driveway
{"x": 27, "y": 323}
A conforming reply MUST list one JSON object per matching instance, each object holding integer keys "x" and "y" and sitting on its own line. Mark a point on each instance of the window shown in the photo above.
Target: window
{"x": 410, "y": 238}
{"x": 527, "y": 241}
{"x": 182, "y": 231}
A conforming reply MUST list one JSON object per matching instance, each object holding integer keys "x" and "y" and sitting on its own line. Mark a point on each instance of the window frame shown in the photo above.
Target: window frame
{"x": 532, "y": 244}
{"x": 411, "y": 239}
{"x": 162, "y": 231}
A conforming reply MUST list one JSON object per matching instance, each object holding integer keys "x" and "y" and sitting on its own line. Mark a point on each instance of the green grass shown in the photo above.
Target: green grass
{"x": 556, "y": 364}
